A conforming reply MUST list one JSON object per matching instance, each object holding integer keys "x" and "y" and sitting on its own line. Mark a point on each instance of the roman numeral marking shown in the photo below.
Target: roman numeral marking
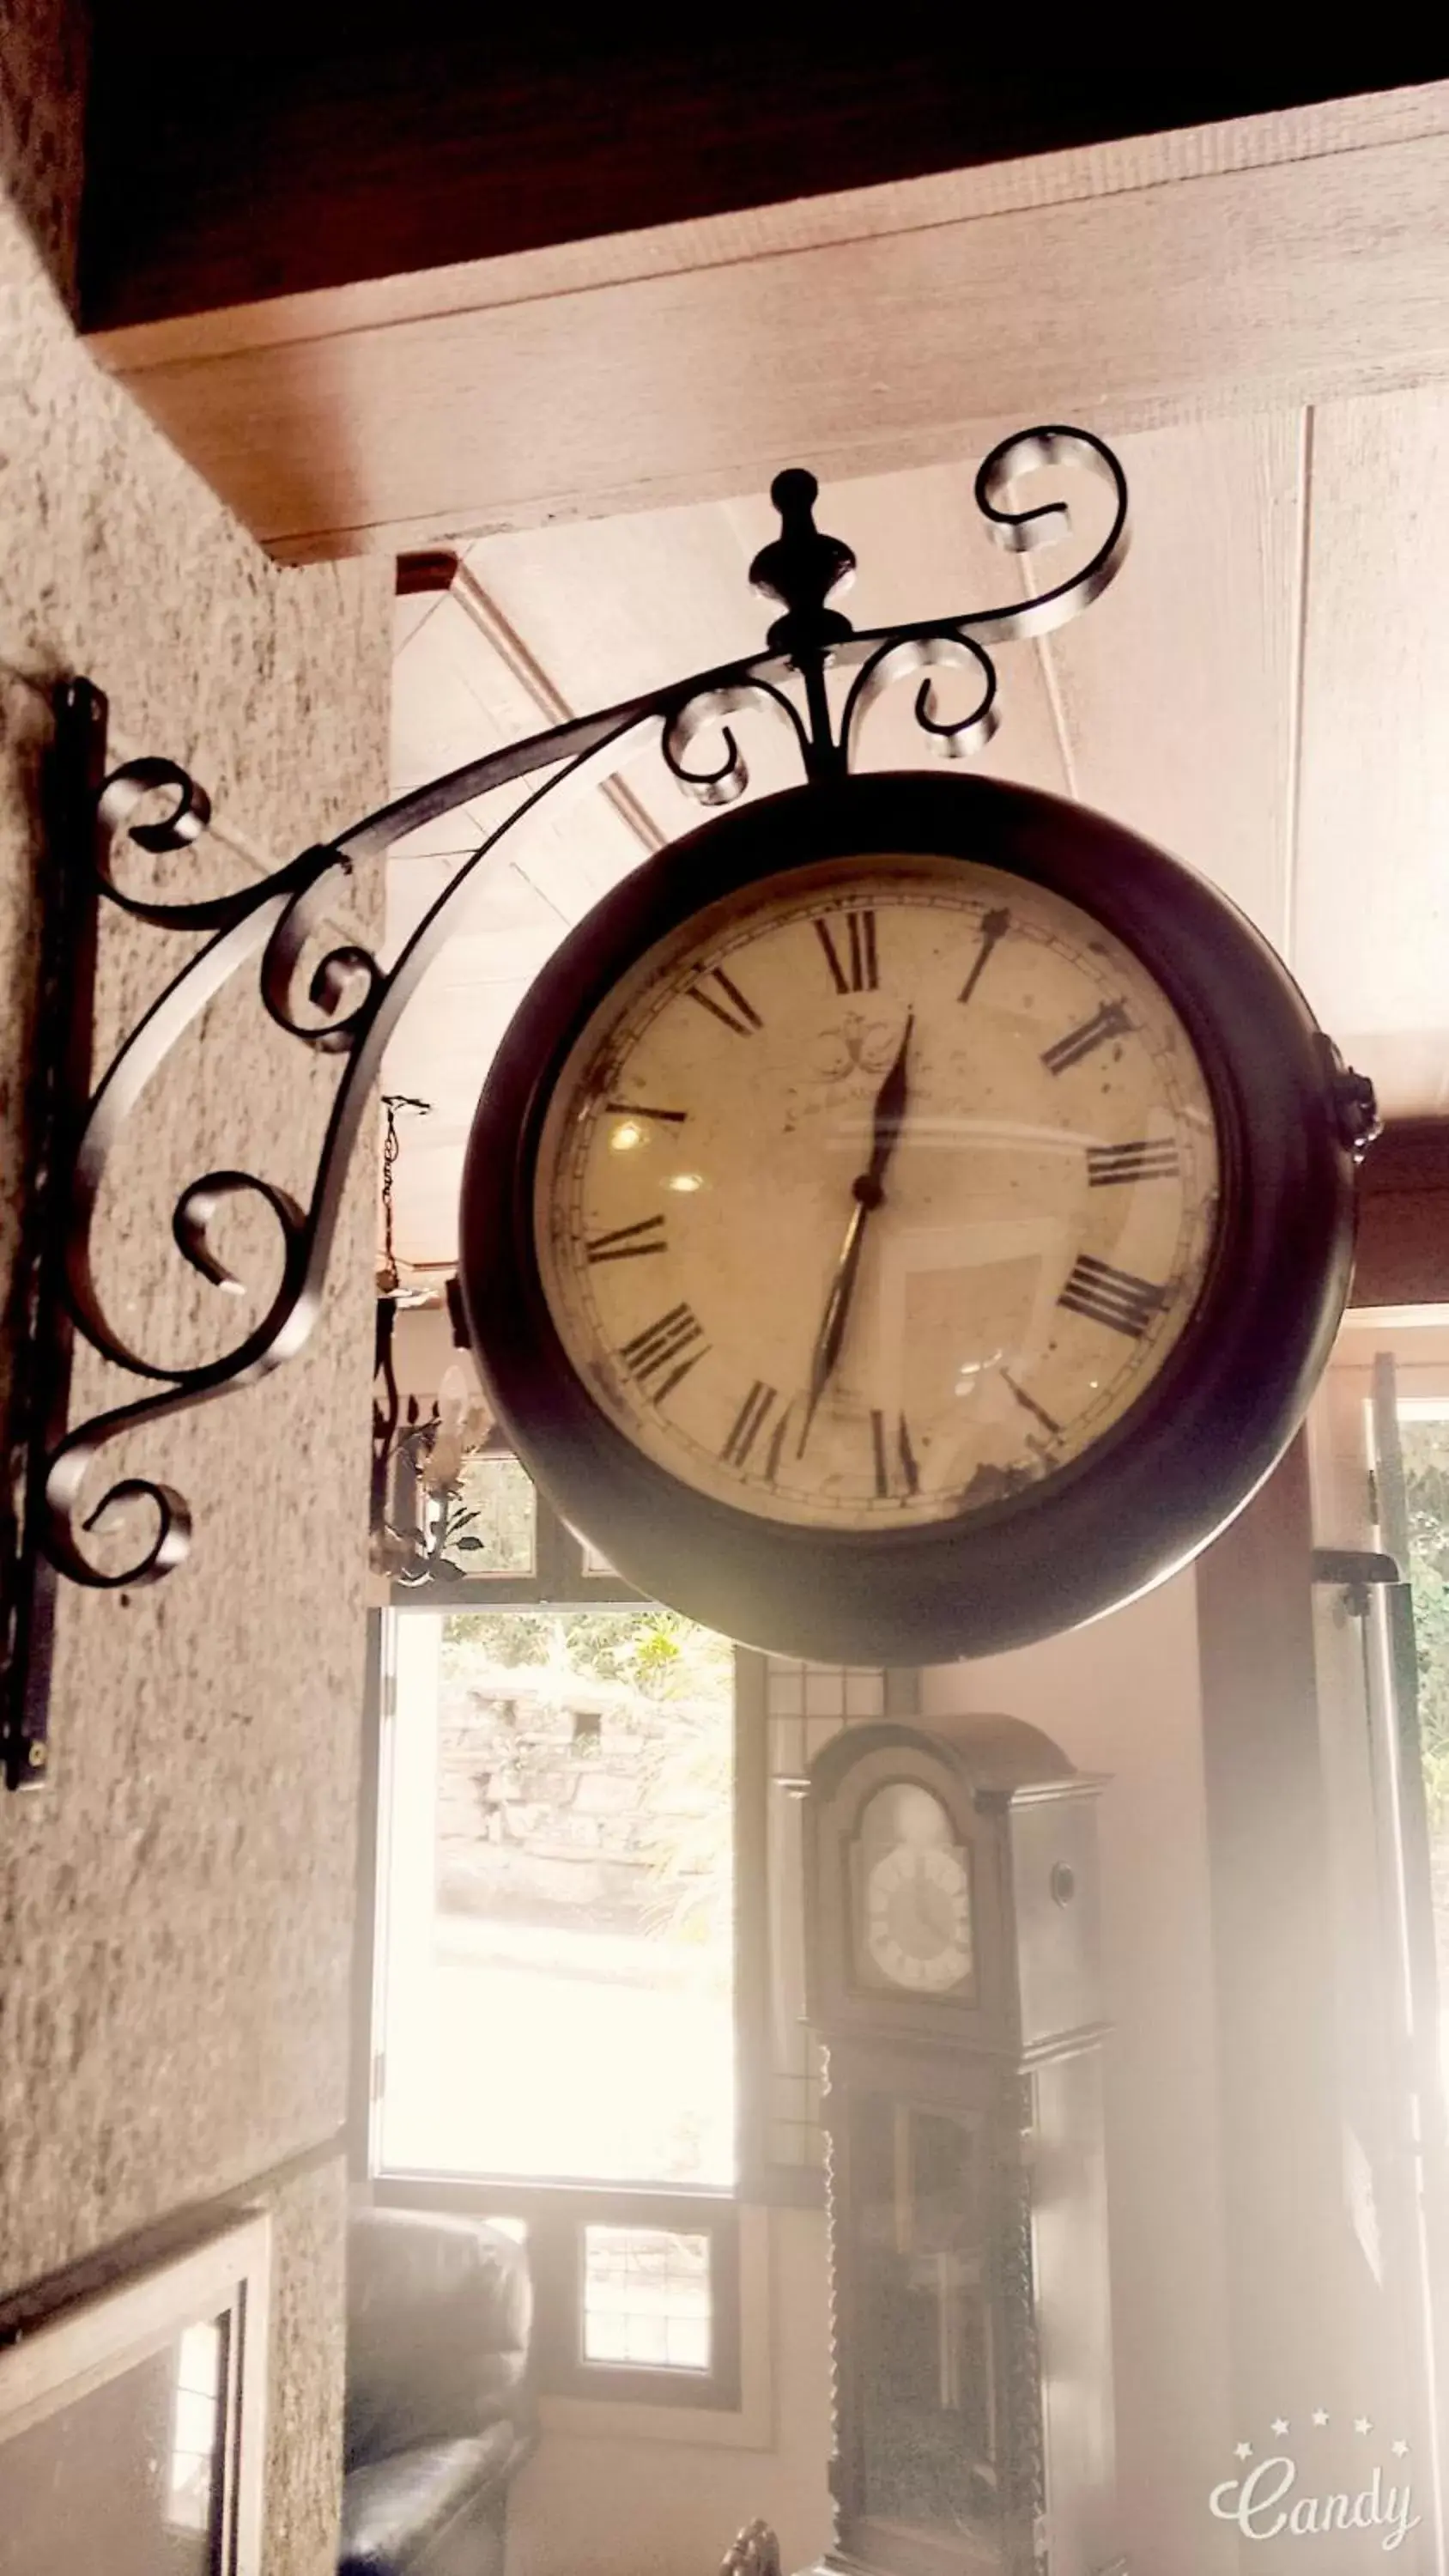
{"x": 635, "y": 1109}
{"x": 733, "y": 1009}
{"x": 910, "y": 1474}
{"x": 665, "y": 1351}
{"x": 1110, "y": 1021}
{"x": 628, "y": 1242}
{"x": 749, "y": 1422}
{"x": 994, "y": 927}
{"x": 855, "y": 968}
{"x": 1145, "y": 1159}
{"x": 1112, "y": 1297}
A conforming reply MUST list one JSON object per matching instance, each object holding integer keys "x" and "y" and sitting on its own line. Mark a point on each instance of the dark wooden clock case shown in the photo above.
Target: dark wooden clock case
{"x": 970, "y": 2309}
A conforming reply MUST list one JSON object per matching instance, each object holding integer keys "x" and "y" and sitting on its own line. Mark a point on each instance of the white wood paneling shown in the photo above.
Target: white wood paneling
{"x": 1235, "y": 267}
{"x": 1178, "y": 689}
{"x": 1371, "y": 917}
{"x": 1264, "y": 692}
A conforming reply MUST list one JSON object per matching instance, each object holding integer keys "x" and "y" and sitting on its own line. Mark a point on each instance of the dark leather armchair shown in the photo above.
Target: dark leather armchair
{"x": 439, "y": 2402}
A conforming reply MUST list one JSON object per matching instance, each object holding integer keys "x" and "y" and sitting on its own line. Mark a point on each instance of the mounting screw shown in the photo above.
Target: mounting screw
{"x": 36, "y": 1757}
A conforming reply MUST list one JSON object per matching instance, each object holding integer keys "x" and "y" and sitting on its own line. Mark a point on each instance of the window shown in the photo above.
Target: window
{"x": 581, "y": 1965}
{"x": 1423, "y": 1425}
{"x": 568, "y": 1960}
{"x": 558, "y": 1998}
{"x": 647, "y": 2297}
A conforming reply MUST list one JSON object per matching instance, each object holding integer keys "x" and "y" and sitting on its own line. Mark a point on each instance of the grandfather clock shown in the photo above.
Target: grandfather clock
{"x": 955, "y": 1980}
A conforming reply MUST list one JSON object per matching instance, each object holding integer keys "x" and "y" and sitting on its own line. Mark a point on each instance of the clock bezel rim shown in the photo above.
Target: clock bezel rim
{"x": 895, "y": 1595}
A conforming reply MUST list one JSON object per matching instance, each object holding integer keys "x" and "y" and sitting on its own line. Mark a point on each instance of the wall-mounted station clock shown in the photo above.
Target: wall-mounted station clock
{"x": 906, "y": 1218}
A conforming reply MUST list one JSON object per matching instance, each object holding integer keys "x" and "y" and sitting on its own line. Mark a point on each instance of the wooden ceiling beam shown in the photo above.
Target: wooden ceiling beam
{"x": 233, "y": 157}
{"x": 598, "y": 362}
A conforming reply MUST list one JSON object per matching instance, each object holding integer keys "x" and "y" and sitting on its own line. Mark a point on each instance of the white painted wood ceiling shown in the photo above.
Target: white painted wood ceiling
{"x": 1264, "y": 691}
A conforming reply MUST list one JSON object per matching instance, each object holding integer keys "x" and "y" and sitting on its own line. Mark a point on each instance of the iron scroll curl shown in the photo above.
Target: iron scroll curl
{"x": 818, "y": 680}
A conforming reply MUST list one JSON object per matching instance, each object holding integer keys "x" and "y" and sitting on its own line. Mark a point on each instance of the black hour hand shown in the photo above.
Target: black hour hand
{"x": 889, "y": 1118}
{"x": 868, "y": 1192}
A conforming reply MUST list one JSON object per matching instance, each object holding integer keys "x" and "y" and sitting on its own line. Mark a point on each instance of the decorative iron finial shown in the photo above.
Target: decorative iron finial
{"x": 801, "y": 567}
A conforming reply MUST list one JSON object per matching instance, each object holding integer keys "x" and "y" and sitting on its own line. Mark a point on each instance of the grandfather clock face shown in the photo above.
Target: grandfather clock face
{"x": 911, "y": 1897}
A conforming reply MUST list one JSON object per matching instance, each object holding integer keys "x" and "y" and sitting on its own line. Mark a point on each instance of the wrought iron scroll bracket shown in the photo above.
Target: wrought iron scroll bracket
{"x": 818, "y": 678}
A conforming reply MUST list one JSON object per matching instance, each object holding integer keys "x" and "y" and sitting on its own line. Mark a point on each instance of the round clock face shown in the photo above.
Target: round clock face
{"x": 916, "y": 1893}
{"x": 918, "y": 1928}
{"x": 906, "y": 1218}
{"x": 879, "y": 1196}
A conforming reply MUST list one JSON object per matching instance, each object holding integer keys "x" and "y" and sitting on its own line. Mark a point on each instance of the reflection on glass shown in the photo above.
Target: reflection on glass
{"x": 929, "y": 2374}
{"x": 199, "y": 2356}
{"x": 127, "y": 2478}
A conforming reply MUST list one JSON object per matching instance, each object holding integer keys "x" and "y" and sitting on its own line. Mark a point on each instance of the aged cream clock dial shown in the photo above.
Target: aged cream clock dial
{"x": 906, "y": 1217}
{"x": 881, "y": 1203}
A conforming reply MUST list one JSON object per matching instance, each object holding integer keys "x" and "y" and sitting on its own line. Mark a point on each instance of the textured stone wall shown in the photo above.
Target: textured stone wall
{"x": 175, "y": 1906}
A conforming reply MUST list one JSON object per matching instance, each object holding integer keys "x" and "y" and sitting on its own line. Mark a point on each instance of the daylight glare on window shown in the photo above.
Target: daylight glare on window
{"x": 1424, "y": 1439}
{"x": 559, "y": 1949}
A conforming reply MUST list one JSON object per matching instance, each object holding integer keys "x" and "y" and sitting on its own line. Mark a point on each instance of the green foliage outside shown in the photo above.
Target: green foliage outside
{"x": 1426, "y": 1480}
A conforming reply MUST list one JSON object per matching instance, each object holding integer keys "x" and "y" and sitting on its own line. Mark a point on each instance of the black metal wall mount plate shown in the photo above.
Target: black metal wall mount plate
{"x": 40, "y": 1333}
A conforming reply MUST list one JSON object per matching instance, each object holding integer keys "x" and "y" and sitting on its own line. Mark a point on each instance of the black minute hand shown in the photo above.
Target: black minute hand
{"x": 868, "y": 1191}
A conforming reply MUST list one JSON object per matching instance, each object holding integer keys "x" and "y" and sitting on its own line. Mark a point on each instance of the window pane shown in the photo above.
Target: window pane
{"x": 646, "y": 2298}
{"x": 490, "y": 1527}
{"x": 1425, "y": 1446}
{"x": 559, "y": 1998}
